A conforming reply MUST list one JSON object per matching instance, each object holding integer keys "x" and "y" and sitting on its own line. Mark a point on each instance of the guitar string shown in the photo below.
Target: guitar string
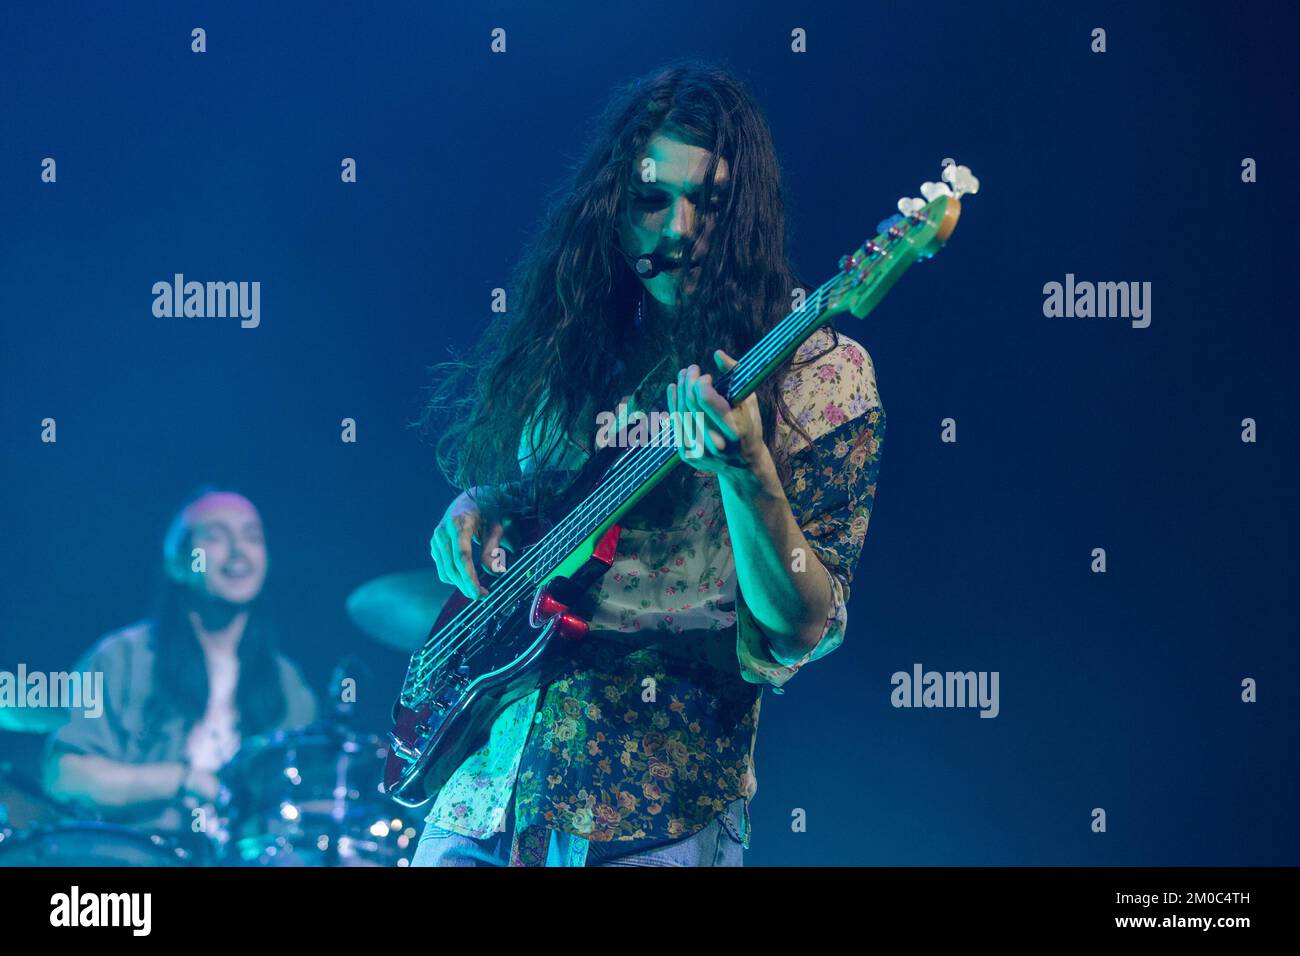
{"x": 639, "y": 464}
{"x": 444, "y": 649}
{"x": 615, "y": 489}
{"x": 612, "y": 483}
{"x": 643, "y": 466}
{"x": 601, "y": 496}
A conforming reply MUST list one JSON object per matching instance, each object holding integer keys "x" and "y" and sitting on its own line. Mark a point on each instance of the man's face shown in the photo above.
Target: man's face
{"x": 229, "y": 530}
{"x": 664, "y": 214}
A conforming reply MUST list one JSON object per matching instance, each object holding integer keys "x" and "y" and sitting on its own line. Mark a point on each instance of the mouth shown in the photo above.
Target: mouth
{"x": 677, "y": 265}
{"x": 236, "y": 570}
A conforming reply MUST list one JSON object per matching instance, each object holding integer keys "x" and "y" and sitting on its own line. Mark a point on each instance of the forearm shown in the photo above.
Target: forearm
{"x": 790, "y": 606}
{"x": 110, "y": 783}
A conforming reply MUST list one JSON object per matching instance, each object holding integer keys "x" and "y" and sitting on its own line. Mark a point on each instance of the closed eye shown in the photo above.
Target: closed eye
{"x": 658, "y": 200}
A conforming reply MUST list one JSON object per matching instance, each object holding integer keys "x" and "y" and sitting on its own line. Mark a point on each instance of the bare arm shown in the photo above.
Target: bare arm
{"x": 790, "y": 607}
{"x": 110, "y": 783}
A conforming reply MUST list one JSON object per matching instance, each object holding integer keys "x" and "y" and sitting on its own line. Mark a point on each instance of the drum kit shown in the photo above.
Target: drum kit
{"x": 310, "y": 797}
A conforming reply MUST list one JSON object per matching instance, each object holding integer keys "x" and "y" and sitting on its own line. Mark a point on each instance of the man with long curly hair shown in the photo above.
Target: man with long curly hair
{"x": 733, "y": 572}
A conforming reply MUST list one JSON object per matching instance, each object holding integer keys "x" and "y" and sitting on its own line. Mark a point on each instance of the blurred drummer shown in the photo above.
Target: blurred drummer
{"x": 182, "y": 689}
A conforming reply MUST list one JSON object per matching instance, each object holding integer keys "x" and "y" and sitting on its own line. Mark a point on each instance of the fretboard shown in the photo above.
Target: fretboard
{"x": 630, "y": 477}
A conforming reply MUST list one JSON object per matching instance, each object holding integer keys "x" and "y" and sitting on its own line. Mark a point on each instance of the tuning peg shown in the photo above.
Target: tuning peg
{"x": 885, "y": 224}
{"x": 932, "y": 191}
{"x": 961, "y": 179}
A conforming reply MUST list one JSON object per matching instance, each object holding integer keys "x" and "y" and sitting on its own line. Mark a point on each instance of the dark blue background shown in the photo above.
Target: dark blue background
{"x": 1118, "y": 691}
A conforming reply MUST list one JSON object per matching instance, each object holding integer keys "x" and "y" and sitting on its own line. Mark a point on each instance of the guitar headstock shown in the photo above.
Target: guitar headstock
{"x": 918, "y": 231}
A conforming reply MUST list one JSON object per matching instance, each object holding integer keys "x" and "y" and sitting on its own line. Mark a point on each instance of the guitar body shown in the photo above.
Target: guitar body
{"x": 509, "y": 654}
{"x": 430, "y": 742}
{"x": 482, "y": 656}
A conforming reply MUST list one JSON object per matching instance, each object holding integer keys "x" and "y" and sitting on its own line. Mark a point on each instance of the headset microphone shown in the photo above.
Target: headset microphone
{"x": 647, "y": 266}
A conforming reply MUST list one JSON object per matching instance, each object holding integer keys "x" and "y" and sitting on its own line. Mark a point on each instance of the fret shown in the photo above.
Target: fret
{"x": 865, "y": 276}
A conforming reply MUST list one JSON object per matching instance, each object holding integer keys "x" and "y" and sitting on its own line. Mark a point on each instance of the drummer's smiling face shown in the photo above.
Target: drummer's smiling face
{"x": 231, "y": 536}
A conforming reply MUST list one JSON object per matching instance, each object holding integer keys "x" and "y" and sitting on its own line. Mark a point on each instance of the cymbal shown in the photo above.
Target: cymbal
{"x": 32, "y": 720}
{"x": 398, "y": 610}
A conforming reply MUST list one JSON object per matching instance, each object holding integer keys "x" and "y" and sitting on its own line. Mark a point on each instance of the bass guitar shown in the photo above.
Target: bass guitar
{"x": 481, "y": 656}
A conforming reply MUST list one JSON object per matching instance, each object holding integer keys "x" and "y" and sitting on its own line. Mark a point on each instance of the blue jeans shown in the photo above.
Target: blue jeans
{"x": 718, "y": 844}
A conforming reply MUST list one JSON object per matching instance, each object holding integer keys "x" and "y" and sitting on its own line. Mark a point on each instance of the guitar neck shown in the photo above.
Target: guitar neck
{"x": 758, "y": 364}
{"x": 640, "y": 468}
{"x": 624, "y": 483}
{"x": 865, "y": 276}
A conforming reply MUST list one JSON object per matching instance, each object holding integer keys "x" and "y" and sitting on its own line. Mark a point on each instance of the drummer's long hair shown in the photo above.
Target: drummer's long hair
{"x": 180, "y": 673}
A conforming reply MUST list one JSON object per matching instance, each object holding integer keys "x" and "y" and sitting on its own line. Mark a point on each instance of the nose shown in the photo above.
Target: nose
{"x": 681, "y": 220}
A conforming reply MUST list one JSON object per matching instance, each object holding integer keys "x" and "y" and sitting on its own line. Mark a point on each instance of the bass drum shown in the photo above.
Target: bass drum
{"x": 89, "y": 844}
{"x": 312, "y": 798}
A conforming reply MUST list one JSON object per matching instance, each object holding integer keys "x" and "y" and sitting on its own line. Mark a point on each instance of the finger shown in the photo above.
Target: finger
{"x": 724, "y": 361}
{"x": 682, "y": 425}
{"x": 676, "y": 430}
{"x": 465, "y": 565}
{"x": 445, "y": 557}
{"x": 686, "y": 390}
{"x": 440, "y": 551}
{"x": 689, "y": 447}
{"x": 665, "y": 436}
{"x": 686, "y": 383}
{"x": 455, "y": 570}
{"x": 708, "y": 400}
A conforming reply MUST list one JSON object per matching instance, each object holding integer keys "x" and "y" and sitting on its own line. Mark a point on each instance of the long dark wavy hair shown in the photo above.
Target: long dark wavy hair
{"x": 180, "y": 675}
{"x": 569, "y": 342}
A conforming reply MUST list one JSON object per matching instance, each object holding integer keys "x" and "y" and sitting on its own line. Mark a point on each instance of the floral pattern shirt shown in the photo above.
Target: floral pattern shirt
{"x": 650, "y": 734}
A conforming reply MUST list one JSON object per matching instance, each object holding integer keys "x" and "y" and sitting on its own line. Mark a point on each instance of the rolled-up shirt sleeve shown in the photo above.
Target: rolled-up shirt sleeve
{"x": 831, "y": 490}
{"x": 101, "y": 734}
